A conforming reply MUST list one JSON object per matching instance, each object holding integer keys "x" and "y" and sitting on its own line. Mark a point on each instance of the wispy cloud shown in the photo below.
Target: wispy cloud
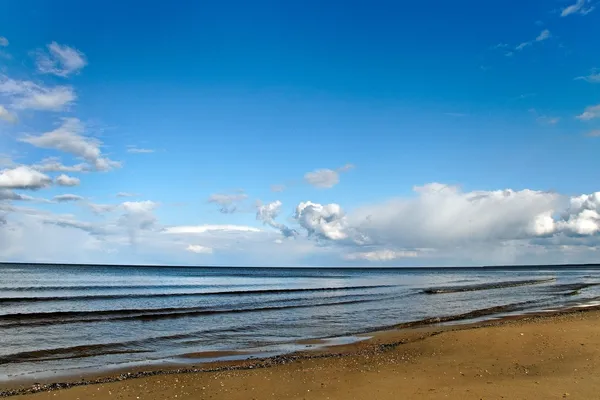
{"x": 593, "y": 77}
{"x": 70, "y": 138}
{"x": 544, "y": 119}
{"x": 590, "y": 113}
{"x": 277, "y": 188}
{"x": 64, "y": 198}
{"x": 582, "y": 7}
{"x": 53, "y": 164}
{"x": 7, "y": 115}
{"x": 228, "y": 203}
{"x": 594, "y": 133}
{"x": 60, "y": 60}
{"x": 3, "y": 41}
{"x": 125, "y": 194}
{"x": 138, "y": 150}
{"x": 544, "y": 35}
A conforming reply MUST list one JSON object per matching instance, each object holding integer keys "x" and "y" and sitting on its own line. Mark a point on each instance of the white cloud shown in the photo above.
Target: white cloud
{"x": 326, "y": 178}
{"x": 267, "y": 214}
{"x": 277, "y": 188}
{"x": 23, "y": 177}
{"x": 138, "y": 150}
{"x": 6, "y": 194}
{"x": 29, "y": 95}
{"x": 322, "y": 178}
{"x": 125, "y": 194}
{"x": 443, "y": 215}
{"x": 3, "y": 41}
{"x": 60, "y": 60}
{"x": 70, "y": 138}
{"x": 578, "y": 8}
{"x": 198, "y": 229}
{"x": 196, "y": 248}
{"x": 65, "y": 180}
{"x": 381, "y": 255}
{"x": 589, "y": 113}
{"x": 53, "y": 164}
{"x": 594, "y": 133}
{"x": 228, "y": 202}
{"x": 138, "y": 216}
{"x": 63, "y": 198}
{"x": 102, "y": 208}
{"x": 544, "y": 35}
{"x": 7, "y": 115}
{"x": 544, "y": 119}
{"x": 326, "y": 221}
{"x": 593, "y": 77}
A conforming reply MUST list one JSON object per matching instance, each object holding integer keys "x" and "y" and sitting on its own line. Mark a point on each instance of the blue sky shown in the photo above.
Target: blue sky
{"x": 200, "y": 110}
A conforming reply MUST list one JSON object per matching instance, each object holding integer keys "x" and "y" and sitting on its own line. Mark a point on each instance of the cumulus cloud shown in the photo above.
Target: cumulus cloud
{"x": 443, "y": 215}
{"x": 196, "y": 248}
{"x": 29, "y": 95}
{"x": 3, "y": 41}
{"x": 65, "y": 180}
{"x": 582, "y": 7}
{"x": 228, "y": 203}
{"x": 23, "y": 177}
{"x": 138, "y": 215}
{"x": 325, "y": 221}
{"x": 60, "y": 60}
{"x": 582, "y": 217}
{"x": 590, "y": 113}
{"x": 380, "y": 255}
{"x": 268, "y": 212}
{"x": 7, "y": 115}
{"x": 64, "y": 198}
{"x": 70, "y": 138}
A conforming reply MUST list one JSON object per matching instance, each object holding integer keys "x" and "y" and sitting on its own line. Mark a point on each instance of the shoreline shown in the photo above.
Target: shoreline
{"x": 376, "y": 342}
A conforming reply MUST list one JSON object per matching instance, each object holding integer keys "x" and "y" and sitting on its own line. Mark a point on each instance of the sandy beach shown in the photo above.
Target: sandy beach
{"x": 543, "y": 357}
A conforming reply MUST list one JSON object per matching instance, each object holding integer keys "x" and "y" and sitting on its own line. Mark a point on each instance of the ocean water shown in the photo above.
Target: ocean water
{"x": 63, "y": 320}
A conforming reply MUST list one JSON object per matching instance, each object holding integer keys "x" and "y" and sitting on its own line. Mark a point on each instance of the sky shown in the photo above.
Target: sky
{"x": 313, "y": 133}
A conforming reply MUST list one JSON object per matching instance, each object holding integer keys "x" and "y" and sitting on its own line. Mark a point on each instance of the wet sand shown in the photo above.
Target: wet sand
{"x": 543, "y": 357}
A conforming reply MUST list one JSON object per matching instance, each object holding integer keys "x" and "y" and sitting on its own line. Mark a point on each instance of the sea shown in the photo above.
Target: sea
{"x": 65, "y": 320}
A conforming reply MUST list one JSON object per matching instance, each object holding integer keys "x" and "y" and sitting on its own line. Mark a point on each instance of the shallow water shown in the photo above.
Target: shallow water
{"x": 57, "y": 319}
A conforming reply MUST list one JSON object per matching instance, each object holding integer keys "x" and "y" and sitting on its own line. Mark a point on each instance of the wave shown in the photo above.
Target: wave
{"x": 512, "y": 307}
{"x": 570, "y": 287}
{"x": 31, "y": 299}
{"x": 484, "y": 286}
{"x": 105, "y": 287}
{"x": 65, "y": 317}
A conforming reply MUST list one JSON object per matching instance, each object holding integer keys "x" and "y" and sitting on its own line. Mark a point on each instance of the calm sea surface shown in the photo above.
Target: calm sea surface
{"x": 57, "y": 320}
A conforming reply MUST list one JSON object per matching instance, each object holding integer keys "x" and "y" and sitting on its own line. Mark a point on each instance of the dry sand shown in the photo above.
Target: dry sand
{"x": 551, "y": 357}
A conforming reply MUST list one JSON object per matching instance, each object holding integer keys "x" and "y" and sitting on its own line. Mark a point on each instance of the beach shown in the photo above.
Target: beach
{"x": 551, "y": 356}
